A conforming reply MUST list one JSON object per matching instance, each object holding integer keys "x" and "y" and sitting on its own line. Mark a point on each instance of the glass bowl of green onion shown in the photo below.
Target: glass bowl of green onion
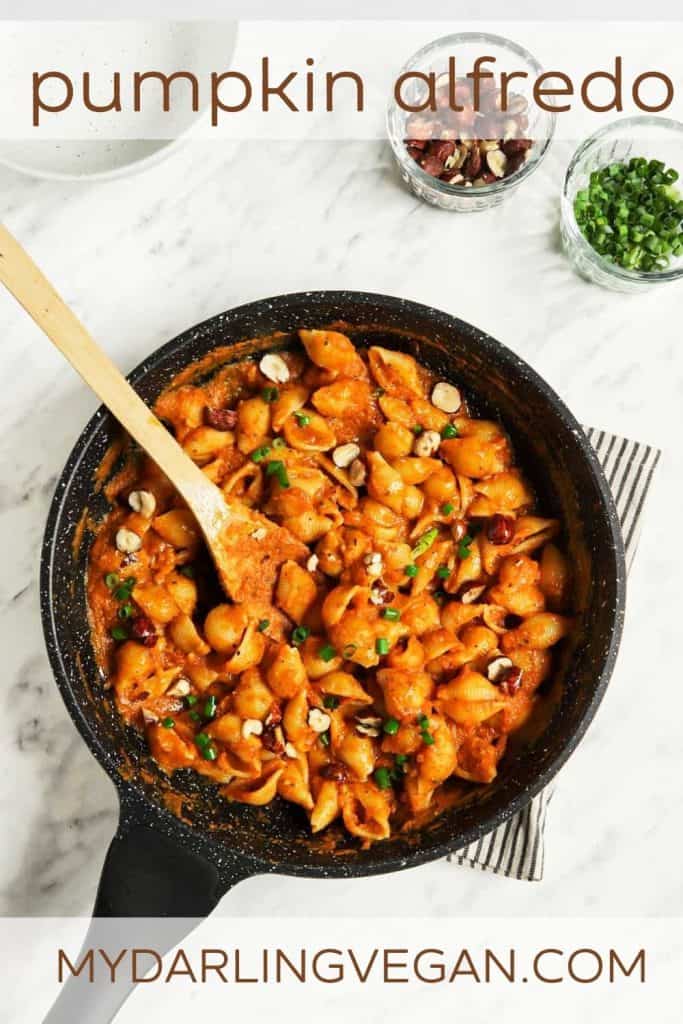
{"x": 622, "y": 204}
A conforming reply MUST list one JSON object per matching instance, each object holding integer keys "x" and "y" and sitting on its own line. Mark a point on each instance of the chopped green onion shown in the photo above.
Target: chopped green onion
{"x": 443, "y": 572}
{"x": 168, "y": 723}
{"x": 302, "y": 419}
{"x": 279, "y": 442}
{"x": 411, "y": 571}
{"x": 447, "y": 509}
{"x": 382, "y": 778}
{"x": 300, "y": 634}
{"x": 123, "y": 592}
{"x": 209, "y": 753}
{"x": 191, "y": 700}
{"x": 401, "y": 759}
{"x": 327, "y": 653}
{"x": 464, "y": 546}
{"x": 111, "y": 580}
{"x": 330, "y": 702}
{"x": 449, "y": 431}
{"x": 270, "y": 394}
{"x": 382, "y": 645}
{"x": 277, "y": 468}
{"x": 325, "y": 738}
{"x": 202, "y": 740}
{"x": 187, "y": 570}
{"x": 427, "y": 737}
{"x": 259, "y": 454}
{"x": 391, "y": 726}
{"x": 349, "y": 650}
{"x": 195, "y": 716}
{"x": 119, "y": 633}
{"x": 392, "y": 614}
{"x": 417, "y": 429}
{"x": 425, "y": 542}
{"x": 126, "y": 611}
{"x": 631, "y": 214}
{"x": 263, "y": 625}
{"x": 210, "y": 707}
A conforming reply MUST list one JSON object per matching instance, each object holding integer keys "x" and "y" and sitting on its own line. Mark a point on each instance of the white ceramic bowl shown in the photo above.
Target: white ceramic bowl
{"x": 196, "y": 46}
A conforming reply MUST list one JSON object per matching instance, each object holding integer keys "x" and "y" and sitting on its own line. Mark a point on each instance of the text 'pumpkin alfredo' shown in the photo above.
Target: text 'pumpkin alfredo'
{"x": 398, "y": 655}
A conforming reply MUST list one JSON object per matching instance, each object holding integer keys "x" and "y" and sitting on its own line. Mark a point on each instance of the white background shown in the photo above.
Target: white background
{"x": 221, "y": 224}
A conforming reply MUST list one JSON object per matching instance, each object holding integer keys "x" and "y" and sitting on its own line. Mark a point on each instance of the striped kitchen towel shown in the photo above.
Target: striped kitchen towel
{"x": 515, "y": 849}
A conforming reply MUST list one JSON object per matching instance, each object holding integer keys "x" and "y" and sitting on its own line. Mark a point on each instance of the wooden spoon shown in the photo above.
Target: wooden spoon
{"x": 247, "y": 548}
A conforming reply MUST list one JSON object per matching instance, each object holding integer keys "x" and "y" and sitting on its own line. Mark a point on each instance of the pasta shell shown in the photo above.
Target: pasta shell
{"x": 315, "y": 435}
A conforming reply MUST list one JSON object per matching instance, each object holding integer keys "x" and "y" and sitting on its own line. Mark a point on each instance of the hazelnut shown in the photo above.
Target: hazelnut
{"x": 318, "y": 721}
{"x": 220, "y": 419}
{"x": 380, "y": 593}
{"x": 142, "y": 629}
{"x": 251, "y": 727}
{"x": 127, "y": 541}
{"x": 500, "y": 529}
{"x": 274, "y": 368}
{"x": 446, "y": 397}
{"x": 180, "y": 688}
{"x": 345, "y": 454}
{"x": 427, "y": 443}
{"x": 497, "y": 162}
{"x": 373, "y": 563}
{"x": 312, "y": 563}
{"x": 511, "y": 681}
{"x": 368, "y": 725}
{"x": 472, "y": 593}
{"x": 357, "y": 473}
{"x": 458, "y": 530}
{"x": 497, "y": 669}
{"x": 143, "y": 502}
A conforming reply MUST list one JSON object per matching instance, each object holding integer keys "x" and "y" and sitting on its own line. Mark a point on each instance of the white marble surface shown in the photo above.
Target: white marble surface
{"x": 141, "y": 259}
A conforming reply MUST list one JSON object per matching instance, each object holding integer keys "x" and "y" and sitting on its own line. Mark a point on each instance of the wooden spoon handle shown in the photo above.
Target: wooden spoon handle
{"x": 31, "y": 288}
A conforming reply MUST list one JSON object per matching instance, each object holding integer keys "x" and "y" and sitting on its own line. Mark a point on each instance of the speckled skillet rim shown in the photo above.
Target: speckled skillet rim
{"x": 381, "y": 858}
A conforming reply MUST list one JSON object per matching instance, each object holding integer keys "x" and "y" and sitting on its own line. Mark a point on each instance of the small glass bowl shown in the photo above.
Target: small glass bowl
{"x": 655, "y": 138}
{"x": 466, "y": 47}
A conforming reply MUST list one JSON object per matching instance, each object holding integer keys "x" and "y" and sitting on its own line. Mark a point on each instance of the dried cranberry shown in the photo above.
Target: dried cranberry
{"x": 220, "y": 419}
{"x": 500, "y": 529}
{"x": 511, "y": 681}
{"x": 334, "y": 771}
{"x": 142, "y": 629}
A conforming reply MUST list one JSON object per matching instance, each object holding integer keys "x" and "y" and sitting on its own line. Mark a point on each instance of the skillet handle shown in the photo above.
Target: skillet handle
{"x": 152, "y": 893}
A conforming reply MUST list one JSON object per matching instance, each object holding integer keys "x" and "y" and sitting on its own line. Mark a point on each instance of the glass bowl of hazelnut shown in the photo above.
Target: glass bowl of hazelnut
{"x": 467, "y": 131}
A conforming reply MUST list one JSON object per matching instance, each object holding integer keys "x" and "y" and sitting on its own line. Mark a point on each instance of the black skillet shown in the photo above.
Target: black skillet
{"x": 178, "y": 847}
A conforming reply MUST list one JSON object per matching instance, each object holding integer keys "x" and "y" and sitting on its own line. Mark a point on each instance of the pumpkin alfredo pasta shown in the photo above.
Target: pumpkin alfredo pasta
{"x": 393, "y": 660}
